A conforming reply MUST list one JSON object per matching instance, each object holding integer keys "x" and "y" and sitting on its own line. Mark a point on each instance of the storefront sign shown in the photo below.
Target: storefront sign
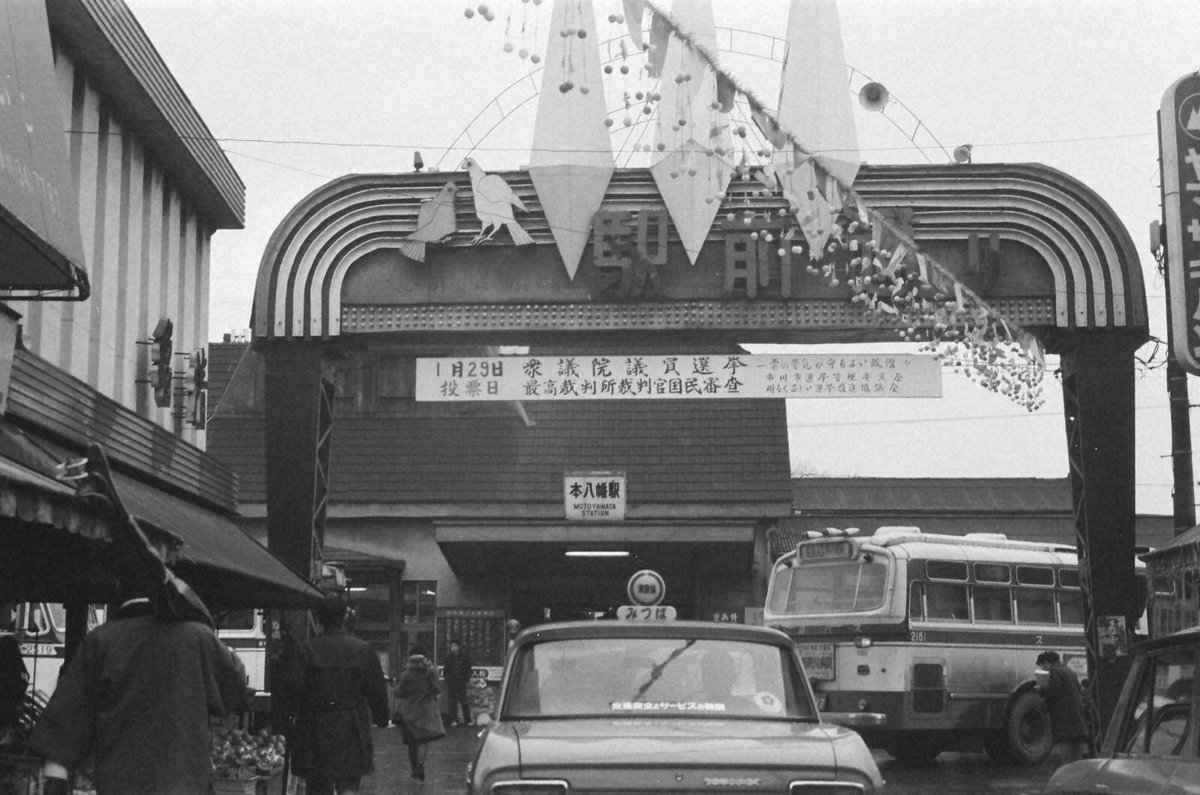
{"x": 1179, "y": 128}
{"x": 646, "y": 588}
{"x": 594, "y": 495}
{"x": 681, "y": 377}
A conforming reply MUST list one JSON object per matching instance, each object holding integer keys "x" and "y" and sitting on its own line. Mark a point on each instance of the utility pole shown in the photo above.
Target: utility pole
{"x": 1184, "y": 484}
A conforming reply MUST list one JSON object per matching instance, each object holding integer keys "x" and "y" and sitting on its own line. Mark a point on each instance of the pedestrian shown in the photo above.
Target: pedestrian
{"x": 136, "y": 699}
{"x": 14, "y": 682}
{"x": 456, "y": 670}
{"x": 417, "y": 709}
{"x": 1064, "y": 702}
{"x": 334, "y": 686}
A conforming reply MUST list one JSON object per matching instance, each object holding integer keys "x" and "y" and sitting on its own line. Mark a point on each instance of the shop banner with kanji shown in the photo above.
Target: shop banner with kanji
{"x": 685, "y": 376}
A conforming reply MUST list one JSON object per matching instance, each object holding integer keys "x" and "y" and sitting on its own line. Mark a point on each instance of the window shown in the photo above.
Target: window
{"x": 992, "y": 572}
{"x": 1068, "y": 578}
{"x": 1070, "y": 608}
{"x": 993, "y": 604}
{"x": 946, "y": 569}
{"x": 928, "y": 687}
{"x": 1158, "y": 722}
{"x": 418, "y": 610}
{"x": 1034, "y": 605}
{"x": 946, "y": 602}
{"x": 851, "y": 586}
{"x": 916, "y": 602}
{"x": 1035, "y": 575}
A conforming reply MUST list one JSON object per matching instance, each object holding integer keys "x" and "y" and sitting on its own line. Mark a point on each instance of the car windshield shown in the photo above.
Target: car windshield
{"x": 656, "y": 677}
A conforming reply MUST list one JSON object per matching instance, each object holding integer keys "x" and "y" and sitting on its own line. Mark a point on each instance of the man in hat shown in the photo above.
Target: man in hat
{"x": 1064, "y": 701}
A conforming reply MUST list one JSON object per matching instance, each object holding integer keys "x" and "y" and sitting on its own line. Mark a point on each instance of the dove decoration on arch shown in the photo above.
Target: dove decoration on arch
{"x": 693, "y": 139}
{"x": 571, "y": 161}
{"x": 494, "y": 203}
{"x": 435, "y": 222}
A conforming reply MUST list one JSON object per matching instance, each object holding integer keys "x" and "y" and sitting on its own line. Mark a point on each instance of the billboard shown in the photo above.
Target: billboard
{"x": 1179, "y": 142}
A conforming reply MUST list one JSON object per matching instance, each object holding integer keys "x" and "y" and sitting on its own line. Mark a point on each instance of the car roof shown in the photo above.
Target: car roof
{"x": 1181, "y": 638}
{"x": 709, "y": 630}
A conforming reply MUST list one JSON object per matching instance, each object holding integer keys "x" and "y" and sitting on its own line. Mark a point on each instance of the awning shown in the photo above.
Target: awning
{"x": 228, "y": 568}
{"x": 39, "y": 203}
{"x": 479, "y": 548}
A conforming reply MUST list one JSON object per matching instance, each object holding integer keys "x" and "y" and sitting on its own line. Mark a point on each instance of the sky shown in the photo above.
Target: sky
{"x": 299, "y": 92}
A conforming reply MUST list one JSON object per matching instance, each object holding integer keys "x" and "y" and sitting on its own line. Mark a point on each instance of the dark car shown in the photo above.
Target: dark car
{"x": 623, "y": 706}
{"x": 1150, "y": 746}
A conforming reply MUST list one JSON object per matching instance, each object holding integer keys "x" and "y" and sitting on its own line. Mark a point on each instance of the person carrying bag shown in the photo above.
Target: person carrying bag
{"x": 417, "y": 710}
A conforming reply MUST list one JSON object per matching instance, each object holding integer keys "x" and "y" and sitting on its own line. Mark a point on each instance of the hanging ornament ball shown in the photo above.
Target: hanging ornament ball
{"x": 691, "y": 172}
{"x": 470, "y": 12}
{"x": 581, "y": 33}
{"x": 754, "y": 235}
{"x": 565, "y": 86}
{"x": 490, "y": 16}
{"x": 782, "y": 252}
{"x": 508, "y": 47}
{"x": 612, "y": 17}
{"x": 730, "y": 218}
{"x": 674, "y": 175}
{"x": 624, "y": 69}
{"x": 639, "y": 96}
{"x": 565, "y": 32}
{"x": 797, "y": 249}
{"x": 661, "y": 146}
{"x": 535, "y": 58}
{"x": 608, "y": 122}
{"x": 646, "y": 109}
{"x": 608, "y": 69}
{"x": 678, "y": 78}
{"x": 715, "y": 105}
{"x": 537, "y": 2}
{"x": 741, "y": 130}
{"x": 523, "y": 53}
{"x": 683, "y": 122}
{"x": 620, "y": 19}
{"x": 628, "y": 122}
{"x": 708, "y": 200}
{"x": 584, "y": 89}
{"x": 483, "y": 9}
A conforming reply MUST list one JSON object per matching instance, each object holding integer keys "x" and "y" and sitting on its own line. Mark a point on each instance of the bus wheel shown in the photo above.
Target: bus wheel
{"x": 915, "y": 749}
{"x": 1028, "y": 730}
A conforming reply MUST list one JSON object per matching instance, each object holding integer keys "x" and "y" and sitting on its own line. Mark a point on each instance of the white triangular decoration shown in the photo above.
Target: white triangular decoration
{"x": 572, "y": 160}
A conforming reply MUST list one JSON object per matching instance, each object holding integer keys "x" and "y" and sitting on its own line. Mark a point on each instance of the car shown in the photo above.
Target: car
{"x": 1149, "y": 746}
{"x": 662, "y": 706}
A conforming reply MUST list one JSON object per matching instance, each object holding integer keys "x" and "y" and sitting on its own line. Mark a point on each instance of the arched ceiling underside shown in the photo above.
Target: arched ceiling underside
{"x": 1061, "y": 261}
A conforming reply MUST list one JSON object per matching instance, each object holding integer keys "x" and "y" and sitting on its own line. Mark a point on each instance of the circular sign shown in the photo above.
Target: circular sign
{"x": 646, "y": 588}
{"x": 1189, "y": 116}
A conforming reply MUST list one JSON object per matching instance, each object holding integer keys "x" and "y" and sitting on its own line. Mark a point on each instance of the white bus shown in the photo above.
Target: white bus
{"x": 928, "y": 642}
{"x": 244, "y": 632}
{"x": 41, "y": 630}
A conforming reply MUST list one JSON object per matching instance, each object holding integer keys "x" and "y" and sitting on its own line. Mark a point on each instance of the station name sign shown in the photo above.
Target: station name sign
{"x": 679, "y": 377}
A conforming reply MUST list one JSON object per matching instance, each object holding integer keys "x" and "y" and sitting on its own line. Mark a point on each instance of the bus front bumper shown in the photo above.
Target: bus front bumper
{"x": 855, "y": 720}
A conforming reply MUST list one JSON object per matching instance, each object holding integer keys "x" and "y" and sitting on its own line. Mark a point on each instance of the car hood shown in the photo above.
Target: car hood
{"x": 1155, "y": 774}
{"x": 552, "y": 748}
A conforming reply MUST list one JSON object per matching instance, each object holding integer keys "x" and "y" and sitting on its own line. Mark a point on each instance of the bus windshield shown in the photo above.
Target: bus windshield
{"x": 844, "y": 586}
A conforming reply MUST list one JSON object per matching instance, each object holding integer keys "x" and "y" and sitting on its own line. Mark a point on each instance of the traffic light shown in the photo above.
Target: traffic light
{"x": 160, "y": 362}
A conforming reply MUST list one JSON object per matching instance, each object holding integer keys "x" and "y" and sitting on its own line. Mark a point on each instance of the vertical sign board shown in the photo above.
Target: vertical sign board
{"x": 1179, "y": 141}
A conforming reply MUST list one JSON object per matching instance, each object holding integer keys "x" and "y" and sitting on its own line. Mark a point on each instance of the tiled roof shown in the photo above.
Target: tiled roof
{"x": 720, "y": 451}
{"x": 931, "y": 495}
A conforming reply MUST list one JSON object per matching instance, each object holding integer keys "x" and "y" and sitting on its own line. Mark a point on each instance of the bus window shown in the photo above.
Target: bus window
{"x": 1070, "y": 608}
{"x": 1035, "y": 575}
{"x": 993, "y": 604}
{"x": 945, "y": 601}
{"x": 850, "y": 586}
{"x": 1035, "y": 605}
{"x": 946, "y": 569}
{"x": 992, "y": 572}
{"x": 916, "y": 602}
{"x": 237, "y": 621}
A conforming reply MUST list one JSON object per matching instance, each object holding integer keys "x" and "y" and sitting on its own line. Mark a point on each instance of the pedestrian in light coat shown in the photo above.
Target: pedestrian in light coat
{"x": 418, "y": 711}
{"x": 1064, "y": 701}
{"x": 335, "y": 687}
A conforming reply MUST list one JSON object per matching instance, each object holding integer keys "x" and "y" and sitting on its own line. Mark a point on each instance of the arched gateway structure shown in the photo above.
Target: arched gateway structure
{"x": 1034, "y": 243}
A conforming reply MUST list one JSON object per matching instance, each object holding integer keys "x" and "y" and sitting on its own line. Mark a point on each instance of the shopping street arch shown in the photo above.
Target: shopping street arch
{"x": 1036, "y": 244}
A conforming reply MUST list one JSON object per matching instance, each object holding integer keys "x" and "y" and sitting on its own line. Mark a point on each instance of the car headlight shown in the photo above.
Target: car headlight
{"x": 529, "y": 788}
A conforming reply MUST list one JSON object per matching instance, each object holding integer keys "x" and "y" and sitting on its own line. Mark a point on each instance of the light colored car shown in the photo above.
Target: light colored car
{"x": 1150, "y": 746}
{"x": 647, "y": 707}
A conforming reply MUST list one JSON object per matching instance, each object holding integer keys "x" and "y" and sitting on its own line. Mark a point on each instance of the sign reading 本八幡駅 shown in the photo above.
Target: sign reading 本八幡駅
{"x": 684, "y": 376}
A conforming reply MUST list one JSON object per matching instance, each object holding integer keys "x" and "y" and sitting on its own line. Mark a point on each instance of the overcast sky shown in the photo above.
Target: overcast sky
{"x": 302, "y": 91}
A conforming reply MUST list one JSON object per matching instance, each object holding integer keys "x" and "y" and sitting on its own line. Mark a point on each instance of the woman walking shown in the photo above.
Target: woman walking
{"x": 418, "y": 711}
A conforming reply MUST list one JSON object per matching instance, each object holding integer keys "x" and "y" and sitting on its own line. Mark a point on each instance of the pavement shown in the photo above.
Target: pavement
{"x": 445, "y": 763}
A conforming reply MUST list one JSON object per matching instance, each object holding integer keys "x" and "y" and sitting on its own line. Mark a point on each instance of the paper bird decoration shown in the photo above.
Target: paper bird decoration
{"x": 494, "y": 202}
{"x": 435, "y": 222}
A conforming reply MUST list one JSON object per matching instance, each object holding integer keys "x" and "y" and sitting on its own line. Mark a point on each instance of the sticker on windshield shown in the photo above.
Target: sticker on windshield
{"x": 768, "y": 702}
{"x": 666, "y": 706}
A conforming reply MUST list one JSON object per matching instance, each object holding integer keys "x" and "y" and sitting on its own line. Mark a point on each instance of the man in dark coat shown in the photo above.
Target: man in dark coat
{"x": 456, "y": 670}
{"x": 335, "y": 686}
{"x": 1064, "y": 701}
{"x": 136, "y": 698}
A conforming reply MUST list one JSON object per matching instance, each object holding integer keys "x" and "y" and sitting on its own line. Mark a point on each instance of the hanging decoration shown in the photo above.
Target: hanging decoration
{"x": 572, "y": 160}
{"x": 954, "y": 323}
{"x": 692, "y": 136}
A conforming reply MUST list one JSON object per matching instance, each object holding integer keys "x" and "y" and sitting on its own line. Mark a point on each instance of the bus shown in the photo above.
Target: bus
{"x": 41, "y": 630}
{"x": 927, "y": 642}
{"x": 244, "y": 632}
